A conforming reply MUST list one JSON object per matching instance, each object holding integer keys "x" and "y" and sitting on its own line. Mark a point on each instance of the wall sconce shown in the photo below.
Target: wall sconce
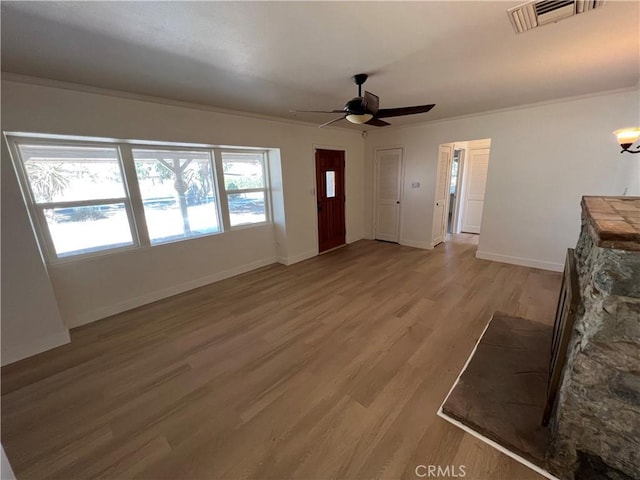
{"x": 627, "y": 137}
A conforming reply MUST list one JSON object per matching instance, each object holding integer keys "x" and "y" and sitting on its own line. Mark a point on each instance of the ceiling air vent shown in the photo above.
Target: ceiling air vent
{"x": 533, "y": 14}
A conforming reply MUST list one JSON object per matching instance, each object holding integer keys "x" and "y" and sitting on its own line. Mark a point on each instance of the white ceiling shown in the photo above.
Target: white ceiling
{"x": 270, "y": 57}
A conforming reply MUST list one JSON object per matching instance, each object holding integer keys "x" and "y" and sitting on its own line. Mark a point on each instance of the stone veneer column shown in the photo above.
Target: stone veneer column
{"x": 596, "y": 423}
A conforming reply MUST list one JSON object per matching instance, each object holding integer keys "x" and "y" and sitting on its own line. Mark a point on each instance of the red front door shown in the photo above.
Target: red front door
{"x": 331, "y": 198}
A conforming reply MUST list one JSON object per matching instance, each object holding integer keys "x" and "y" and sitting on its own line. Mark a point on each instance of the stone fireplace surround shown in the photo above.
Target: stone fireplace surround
{"x": 582, "y": 375}
{"x": 595, "y": 423}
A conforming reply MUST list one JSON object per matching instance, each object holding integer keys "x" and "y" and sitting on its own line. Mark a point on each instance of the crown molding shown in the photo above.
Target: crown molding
{"x": 635, "y": 88}
{"x": 78, "y": 87}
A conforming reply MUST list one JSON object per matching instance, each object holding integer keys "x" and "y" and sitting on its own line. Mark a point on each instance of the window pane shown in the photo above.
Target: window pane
{"x": 330, "y": 178}
{"x": 77, "y": 230}
{"x": 243, "y": 170}
{"x": 177, "y": 193}
{"x": 60, "y": 173}
{"x": 245, "y": 208}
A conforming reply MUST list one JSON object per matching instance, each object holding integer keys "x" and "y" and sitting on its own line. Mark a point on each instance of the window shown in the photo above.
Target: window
{"x": 78, "y": 193}
{"x": 177, "y": 189}
{"x": 330, "y": 181}
{"x": 245, "y": 188}
{"x": 88, "y": 197}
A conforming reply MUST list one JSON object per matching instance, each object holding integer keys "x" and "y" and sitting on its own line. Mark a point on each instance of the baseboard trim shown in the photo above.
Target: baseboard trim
{"x": 107, "y": 311}
{"x": 524, "y": 262}
{"x": 297, "y": 258}
{"x": 416, "y": 244}
{"x": 14, "y": 353}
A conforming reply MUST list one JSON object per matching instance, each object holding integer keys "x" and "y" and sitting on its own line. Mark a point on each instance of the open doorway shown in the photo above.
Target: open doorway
{"x": 460, "y": 188}
{"x": 454, "y": 190}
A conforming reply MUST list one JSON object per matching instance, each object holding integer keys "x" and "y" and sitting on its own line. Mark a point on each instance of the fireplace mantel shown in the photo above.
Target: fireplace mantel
{"x": 614, "y": 221}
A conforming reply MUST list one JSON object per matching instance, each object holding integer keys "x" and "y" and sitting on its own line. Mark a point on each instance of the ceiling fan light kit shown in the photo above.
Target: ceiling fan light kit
{"x": 364, "y": 109}
{"x": 359, "y": 119}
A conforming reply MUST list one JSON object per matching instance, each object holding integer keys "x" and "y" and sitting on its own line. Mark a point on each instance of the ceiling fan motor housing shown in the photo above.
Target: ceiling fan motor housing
{"x": 355, "y": 106}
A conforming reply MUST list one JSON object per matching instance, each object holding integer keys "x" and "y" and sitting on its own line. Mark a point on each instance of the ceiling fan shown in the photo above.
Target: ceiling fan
{"x": 364, "y": 109}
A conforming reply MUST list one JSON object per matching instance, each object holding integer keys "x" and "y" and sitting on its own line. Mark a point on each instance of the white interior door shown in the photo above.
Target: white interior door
{"x": 388, "y": 191}
{"x": 475, "y": 180}
{"x": 441, "y": 207}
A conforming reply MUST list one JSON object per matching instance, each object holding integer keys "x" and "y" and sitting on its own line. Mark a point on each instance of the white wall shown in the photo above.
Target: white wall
{"x": 6, "y": 472}
{"x": 543, "y": 159}
{"x": 30, "y": 320}
{"x": 93, "y": 288}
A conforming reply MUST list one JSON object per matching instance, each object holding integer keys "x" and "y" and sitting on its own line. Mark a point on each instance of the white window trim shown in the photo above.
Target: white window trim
{"x": 36, "y": 210}
{"x": 225, "y": 193}
{"x": 139, "y": 207}
{"x": 132, "y": 200}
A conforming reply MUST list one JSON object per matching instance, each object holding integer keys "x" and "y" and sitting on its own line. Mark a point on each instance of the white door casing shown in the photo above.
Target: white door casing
{"x": 475, "y": 180}
{"x": 441, "y": 207}
{"x": 388, "y": 193}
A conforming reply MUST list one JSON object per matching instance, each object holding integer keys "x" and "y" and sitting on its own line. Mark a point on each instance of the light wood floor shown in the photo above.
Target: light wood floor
{"x": 331, "y": 368}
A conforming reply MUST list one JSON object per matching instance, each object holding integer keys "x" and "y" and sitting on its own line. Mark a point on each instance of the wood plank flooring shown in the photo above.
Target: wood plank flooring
{"x": 330, "y": 368}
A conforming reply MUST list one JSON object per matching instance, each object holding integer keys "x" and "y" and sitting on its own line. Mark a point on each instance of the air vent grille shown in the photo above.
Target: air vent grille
{"x": 547, "y": 6}
{"x": 533, "y": 14}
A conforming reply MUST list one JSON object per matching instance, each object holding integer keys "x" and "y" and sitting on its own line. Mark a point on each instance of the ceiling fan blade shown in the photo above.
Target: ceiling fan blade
{"x": 399, "y": 112}
{"x": 376, "y": 122}
{"x": 371, "y": 102}
{"x": 316, "y": 111}
{"x": 331, "y": 121}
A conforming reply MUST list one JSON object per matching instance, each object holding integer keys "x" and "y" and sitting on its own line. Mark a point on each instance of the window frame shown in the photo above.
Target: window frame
{"x": 224, "y": 193}
{"x": 130, "y": 147}
{"x": 36, "y": 210}
{"x": 133, "y": 201}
